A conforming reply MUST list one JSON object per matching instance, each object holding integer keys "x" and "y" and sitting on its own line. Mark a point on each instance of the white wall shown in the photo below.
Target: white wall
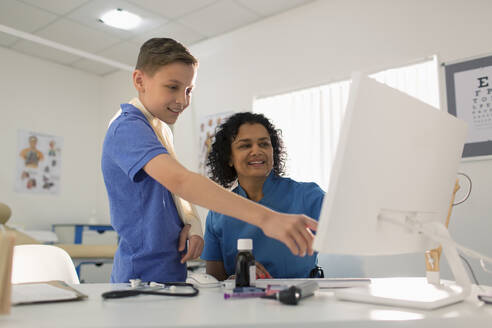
{"x": 44, "y": 97}
{"x": 116, "y": 89}
{"x": 325, "y": 41}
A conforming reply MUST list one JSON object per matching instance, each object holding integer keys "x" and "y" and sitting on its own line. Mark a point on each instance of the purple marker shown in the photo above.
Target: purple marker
{"x": 243, "y": 295}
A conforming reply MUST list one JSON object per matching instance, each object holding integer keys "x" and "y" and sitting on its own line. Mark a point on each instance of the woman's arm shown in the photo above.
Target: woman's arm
{"x": 290, "y": 229}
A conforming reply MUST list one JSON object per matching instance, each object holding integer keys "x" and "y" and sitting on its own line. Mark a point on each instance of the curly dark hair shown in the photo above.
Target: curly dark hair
{"x": 220, "y": 153}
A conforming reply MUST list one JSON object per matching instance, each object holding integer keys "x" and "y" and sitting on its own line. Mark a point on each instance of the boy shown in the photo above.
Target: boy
{"x": 145, "y": 183}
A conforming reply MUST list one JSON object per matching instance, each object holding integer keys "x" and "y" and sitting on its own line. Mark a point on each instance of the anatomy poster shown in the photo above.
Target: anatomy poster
{"x": 206, "y": 135}
{"x": 38, "y": 162}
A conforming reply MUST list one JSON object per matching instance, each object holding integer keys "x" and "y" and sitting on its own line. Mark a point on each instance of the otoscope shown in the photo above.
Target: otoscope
{"x": 294, "y": 294}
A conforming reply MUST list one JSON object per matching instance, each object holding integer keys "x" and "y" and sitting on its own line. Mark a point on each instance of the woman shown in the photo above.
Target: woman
{"x": 248, "y": 151}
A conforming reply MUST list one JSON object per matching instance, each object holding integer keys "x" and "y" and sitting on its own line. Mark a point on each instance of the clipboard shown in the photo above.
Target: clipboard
{"x": 44, "y": 292}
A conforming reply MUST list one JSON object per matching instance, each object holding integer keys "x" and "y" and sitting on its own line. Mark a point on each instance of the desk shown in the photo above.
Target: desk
{"x": 209, "y": 309}
{"x": 99, "y": 251}
{"x": 80, "y": 227}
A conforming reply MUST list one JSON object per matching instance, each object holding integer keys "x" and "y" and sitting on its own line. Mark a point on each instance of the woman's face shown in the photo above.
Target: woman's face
{"x": 252, "y": 152}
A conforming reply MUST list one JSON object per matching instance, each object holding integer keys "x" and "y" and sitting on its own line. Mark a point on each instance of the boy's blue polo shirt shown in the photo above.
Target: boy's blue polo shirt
{"x": 143, "y": 212}
{"x": 282, "y": 195}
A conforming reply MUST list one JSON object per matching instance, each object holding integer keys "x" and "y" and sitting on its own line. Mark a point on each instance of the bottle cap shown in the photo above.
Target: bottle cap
{"x": 244, "y": 244}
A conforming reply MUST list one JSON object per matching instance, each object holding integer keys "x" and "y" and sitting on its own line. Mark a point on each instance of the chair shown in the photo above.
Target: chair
{"x": 36, "y": 263}
{"x": 82, "y": 254}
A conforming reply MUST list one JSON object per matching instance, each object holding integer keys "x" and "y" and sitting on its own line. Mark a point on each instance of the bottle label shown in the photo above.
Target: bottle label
{"x": 252, "y": 275}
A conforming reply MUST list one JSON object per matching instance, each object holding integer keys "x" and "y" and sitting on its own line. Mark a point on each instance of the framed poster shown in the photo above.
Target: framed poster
{"x": 38, "y": 163}
{"x": 206, "y": 135}
{"x": 469, "y": 98}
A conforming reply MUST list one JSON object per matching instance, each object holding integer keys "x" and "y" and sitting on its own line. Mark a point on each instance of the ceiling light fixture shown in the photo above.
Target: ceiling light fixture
{"x": 121, "y": 19}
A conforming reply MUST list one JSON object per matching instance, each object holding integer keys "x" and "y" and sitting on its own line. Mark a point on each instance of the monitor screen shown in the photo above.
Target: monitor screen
{"x": 397, "y": 157}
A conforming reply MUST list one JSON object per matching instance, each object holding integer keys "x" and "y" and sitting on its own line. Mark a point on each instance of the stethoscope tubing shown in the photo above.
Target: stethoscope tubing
{"x": 134, "y": 292}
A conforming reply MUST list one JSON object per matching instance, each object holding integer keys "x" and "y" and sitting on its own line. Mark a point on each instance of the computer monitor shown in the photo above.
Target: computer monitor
{"x": 394, "y": 170}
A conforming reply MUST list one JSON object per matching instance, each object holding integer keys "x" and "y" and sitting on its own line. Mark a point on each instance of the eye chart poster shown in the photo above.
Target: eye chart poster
{"x": 469, "y": 95}
{"x": 38, "y": 163}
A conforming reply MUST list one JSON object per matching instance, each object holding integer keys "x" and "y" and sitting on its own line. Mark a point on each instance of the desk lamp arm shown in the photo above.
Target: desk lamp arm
{"x": 437, "y": 232}
{"x": 433, "y": 256}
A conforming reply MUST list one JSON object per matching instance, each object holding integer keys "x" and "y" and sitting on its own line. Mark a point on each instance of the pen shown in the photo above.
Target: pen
{"x": 243, "y": 295}
{"x": 248, "y": 290}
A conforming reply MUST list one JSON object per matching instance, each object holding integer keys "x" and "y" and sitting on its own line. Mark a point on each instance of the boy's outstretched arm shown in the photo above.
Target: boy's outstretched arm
{"x": 291, "y": 229}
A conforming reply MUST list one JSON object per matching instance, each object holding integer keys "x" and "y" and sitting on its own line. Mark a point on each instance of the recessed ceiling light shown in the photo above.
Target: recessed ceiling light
{"x": 120, "y": 18}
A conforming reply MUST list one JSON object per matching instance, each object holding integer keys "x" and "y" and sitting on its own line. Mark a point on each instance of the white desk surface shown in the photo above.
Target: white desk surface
{"x": 209, "y": 309}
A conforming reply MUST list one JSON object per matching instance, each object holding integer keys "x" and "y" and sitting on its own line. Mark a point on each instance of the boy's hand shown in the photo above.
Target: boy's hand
{"x": 261, "y": 272}
{"x": 292, "y": 230}
{"x": 195, "y": 246}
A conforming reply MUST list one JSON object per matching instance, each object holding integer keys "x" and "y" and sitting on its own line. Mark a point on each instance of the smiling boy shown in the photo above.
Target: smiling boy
{"x": 147, "y": 186}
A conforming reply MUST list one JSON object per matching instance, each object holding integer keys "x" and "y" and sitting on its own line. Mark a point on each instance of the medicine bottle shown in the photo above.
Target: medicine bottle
{"x": 245, "y": 264}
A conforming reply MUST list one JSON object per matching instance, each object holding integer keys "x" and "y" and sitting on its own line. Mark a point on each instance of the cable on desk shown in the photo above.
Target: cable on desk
{"x": 471, "y": 270}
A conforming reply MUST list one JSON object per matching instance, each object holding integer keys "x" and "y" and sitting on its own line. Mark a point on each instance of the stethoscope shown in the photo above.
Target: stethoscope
{"x": 152, "y": 288}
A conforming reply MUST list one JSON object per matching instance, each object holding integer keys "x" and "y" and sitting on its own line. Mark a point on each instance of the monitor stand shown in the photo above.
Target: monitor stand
{"x": 417, "y": 292}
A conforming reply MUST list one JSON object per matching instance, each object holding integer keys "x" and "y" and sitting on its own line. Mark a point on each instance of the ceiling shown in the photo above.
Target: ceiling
{"x": 68, "y": 31}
